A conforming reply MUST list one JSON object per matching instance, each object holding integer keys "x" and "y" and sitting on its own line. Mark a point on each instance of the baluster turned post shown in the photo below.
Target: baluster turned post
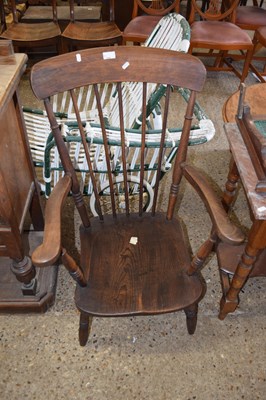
{"x": 106, "y": 147}
{"x": 160, "y": 157}
{"x": 143, "y": 136}
{"x": 123, "y": 145}
{"x": 67, "y": 164}
{"x": 181, "y": 155}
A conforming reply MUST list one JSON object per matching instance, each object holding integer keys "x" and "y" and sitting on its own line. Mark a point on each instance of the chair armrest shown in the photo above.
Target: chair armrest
{"x": 50, "y": 250}
{"x": 224, "y": 228}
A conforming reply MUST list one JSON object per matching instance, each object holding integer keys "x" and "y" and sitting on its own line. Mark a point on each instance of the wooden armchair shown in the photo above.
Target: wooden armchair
{"x": 145, "y": 17}
{"x": 81, "y": 35}
{"x": 132, "y": 262}
{"x": 28, "y": 36}
{"x": 217, "y": 32}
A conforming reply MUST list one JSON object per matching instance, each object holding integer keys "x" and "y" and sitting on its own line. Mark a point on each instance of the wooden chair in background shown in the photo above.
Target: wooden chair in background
{"x": 141, "y": 26}
{"x": 250, "y": 17}
{"x": 259, "y": 41}
{"x": 132, "y": 262}
{"x": 80, "y": 35}
{"x": 26, "y": 37}
{"x": 221, "y": 37}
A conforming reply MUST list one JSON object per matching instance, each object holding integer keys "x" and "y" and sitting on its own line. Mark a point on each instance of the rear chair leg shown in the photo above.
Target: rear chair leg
{"x": 84, "y": 328}
{"x": 191, "y": 316}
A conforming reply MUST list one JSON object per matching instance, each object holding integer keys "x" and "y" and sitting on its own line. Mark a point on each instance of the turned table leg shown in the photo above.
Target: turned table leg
{"x": 256, "y": 242}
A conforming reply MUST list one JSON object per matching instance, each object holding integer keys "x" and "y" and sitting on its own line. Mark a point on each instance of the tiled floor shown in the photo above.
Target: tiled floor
{"x": 146, "y": 357}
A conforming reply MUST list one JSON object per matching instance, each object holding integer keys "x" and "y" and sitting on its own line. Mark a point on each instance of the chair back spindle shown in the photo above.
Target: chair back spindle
{"x": 160, "y": 155}
{"x": 72, "y": 13}
{"x": 156, "y": 4}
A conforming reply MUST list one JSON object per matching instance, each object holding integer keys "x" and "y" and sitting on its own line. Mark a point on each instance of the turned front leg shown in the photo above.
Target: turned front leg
{"x": 256, "y": 242}
{"x": 73, "y": 268}
{"x": 191, "y": 318}
{"x": 84, "y": 328}
{"x": 202, "y": 254}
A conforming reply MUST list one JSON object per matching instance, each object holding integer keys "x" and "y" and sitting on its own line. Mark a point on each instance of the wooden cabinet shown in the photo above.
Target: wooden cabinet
{"x": 20, "y": 286}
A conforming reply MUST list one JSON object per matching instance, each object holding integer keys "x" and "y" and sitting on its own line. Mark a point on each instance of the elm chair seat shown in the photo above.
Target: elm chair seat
{"x": 100, "y": 300}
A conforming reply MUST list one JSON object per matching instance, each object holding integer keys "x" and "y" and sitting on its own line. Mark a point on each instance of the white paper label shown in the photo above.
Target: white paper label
{"x": 133, "y": 240}
{"x": 108, "y": 55}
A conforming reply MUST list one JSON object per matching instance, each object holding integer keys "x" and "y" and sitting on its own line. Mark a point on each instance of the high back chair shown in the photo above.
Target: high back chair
{"x": 81, "y": 35}
{"x": 28, "y": 36}
{"x": 145, "y": 16}
{"x": 217, "y": 32}
{"x": 133, "y": 262}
